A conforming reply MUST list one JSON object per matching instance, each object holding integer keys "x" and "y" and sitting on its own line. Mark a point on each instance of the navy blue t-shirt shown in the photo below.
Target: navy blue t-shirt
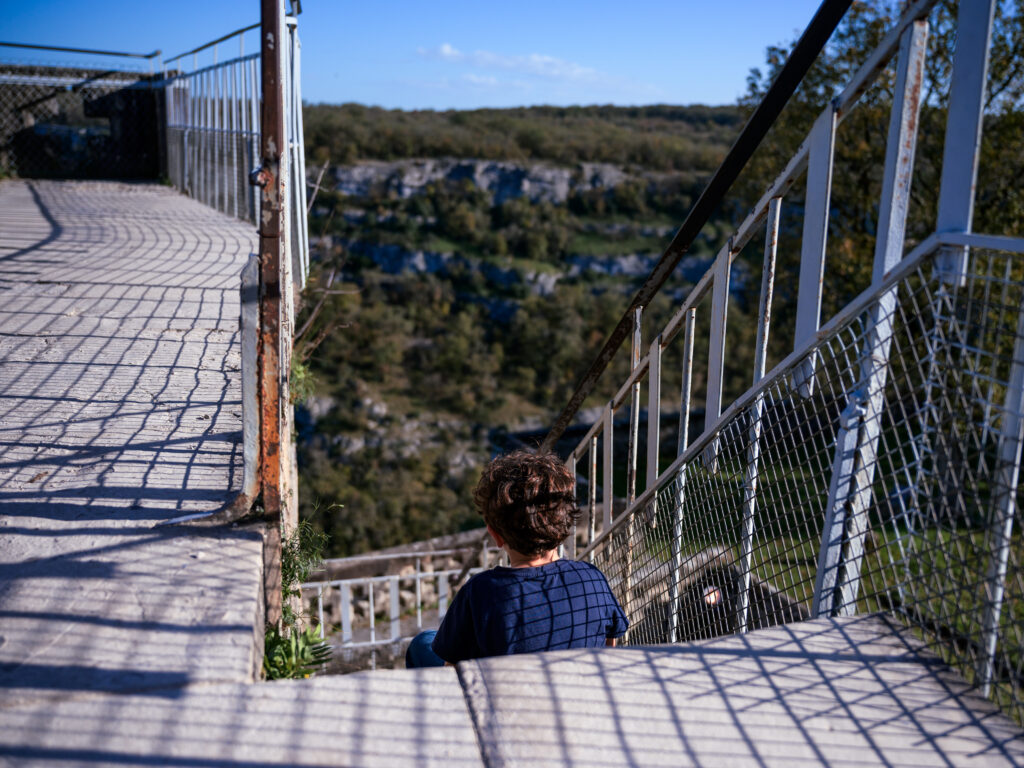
{"x": 564, "y": 604}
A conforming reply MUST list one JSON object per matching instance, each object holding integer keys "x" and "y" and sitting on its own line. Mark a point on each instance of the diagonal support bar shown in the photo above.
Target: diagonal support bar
{"x": 874, "y": 367}
{"x": 1011, "y": 438}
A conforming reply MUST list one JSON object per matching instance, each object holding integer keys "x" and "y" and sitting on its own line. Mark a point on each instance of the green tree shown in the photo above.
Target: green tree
{"x": 861, "y": 139}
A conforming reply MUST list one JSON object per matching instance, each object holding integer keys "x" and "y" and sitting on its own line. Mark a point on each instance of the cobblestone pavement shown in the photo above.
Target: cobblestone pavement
{"x": 120, "y": 408}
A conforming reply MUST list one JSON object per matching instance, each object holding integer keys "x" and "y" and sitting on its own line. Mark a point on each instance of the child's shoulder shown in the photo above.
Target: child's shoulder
{"x": 504, "y": 575}
{"x": 581, "y": 566}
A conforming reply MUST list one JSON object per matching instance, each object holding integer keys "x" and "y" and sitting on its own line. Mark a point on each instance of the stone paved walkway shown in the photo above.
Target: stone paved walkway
{"x": 119, "y": 409}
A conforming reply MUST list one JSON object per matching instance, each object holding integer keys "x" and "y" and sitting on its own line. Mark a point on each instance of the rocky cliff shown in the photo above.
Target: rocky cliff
{"x": 505, "y": 180}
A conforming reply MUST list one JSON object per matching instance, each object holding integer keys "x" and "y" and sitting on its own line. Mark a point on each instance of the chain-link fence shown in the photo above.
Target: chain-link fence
{"x": 757, "y": 528}
{"x": 73, "y": 123}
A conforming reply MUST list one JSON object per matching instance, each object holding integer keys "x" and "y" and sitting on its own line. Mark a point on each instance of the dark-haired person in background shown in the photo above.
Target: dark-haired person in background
{"x": 539, "y": 602}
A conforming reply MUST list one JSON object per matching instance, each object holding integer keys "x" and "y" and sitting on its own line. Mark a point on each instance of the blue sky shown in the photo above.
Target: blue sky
{"x": 439, "y": 55}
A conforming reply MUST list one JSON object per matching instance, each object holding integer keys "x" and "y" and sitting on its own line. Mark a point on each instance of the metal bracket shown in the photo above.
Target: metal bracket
{"x": 855, "y": 411}
{"x": 259, "y": 177}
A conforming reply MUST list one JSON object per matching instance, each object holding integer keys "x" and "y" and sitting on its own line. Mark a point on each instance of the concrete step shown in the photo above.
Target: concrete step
{"x": 838, "y": 692}
{"x": 835, "y": 692}
{"x": 378, "y": 719}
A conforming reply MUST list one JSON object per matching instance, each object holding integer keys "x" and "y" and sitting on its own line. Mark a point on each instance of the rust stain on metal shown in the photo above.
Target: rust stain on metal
{"x": 260, "y": 178}
{"x": 913, "y": 99}
{"x": 271, "y": 258}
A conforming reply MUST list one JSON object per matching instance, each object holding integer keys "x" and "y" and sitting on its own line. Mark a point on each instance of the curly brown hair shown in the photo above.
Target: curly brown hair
{"x": 529, "y": 499}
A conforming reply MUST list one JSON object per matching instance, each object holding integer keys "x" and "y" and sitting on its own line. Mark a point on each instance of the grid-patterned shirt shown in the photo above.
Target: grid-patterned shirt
{"x": 564, "y": 604}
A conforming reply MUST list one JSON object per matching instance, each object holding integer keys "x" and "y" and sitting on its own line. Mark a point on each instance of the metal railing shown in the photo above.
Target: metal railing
{"x": 216, "y": 130}
{"x": 877, "y": 467}
{"x": 213, "y": 134}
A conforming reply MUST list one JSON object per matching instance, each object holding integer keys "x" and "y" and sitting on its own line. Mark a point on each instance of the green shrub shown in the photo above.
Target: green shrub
{"x": 293, "y": 654}
{"x": 289, "y": 651}
{"x": 303, "y": 383}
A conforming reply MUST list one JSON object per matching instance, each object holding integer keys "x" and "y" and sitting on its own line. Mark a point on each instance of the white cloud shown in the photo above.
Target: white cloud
{"x": 537, "y": 64}
{"x": 486, "y": 81}
{"x": 448, "y": 53}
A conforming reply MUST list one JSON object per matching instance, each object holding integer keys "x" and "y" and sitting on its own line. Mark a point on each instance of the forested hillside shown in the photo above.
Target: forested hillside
{"x": 660, "y": 137}
{"x": 461, "y": 287}
{"x": 468, "y": 265}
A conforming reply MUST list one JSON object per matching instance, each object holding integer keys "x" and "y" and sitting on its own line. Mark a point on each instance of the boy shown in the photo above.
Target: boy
{"x": 539, "y": 602}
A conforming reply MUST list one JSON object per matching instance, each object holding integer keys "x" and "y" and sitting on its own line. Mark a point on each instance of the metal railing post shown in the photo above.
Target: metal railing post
{"x": 569, "y": 545}
{"x": 716, "y": 346}
{"x": 396, "y": 613}
{"x": 963, "y": 131}
{"x": 653, "y": 411}
{"x": 1011, "y": 438}
{"x": 874, "y": 367}
{"x": 607, "y": 470}
{"x": 634, "y": 435}
{"x": 272, "y": 208}
{"x": 750, "y": 478}
{"x": 345, "y": 607}
{"x": 685, "y": 396}
{"x": 236, "y": 130}
{"x": 320, "y": 611}
{"x": 373, "y": 613}
{"x": 815, "y": 234}
{"x": 442, "y": 595}
{"x": 419, "y": 593}
{"x": 297, "y": 164}
{"x": 592, "y": 494}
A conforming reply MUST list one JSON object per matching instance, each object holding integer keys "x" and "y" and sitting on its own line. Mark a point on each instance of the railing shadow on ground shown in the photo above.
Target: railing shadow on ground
{"x": 120, "y": 408}
{"x": 857, "y": 691}
{"x": 415, "y": 718}
{"x": 110, "y": 369}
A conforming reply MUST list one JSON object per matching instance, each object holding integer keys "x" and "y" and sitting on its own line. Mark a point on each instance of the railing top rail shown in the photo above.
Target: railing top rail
{"x": 75, "y": 83}
{"x": 172, "y": 76}
{"x": 296, "y": 10}
{"x": 212, "y": 43}
{"x": 807, "y": 48}
{"x": 400, "y": 555}
{"x": 422, "y": 576}
{"x": 91, "y": 51}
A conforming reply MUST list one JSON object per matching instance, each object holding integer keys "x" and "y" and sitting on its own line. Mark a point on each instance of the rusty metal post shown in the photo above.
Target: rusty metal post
{"x": 270, "y": 180}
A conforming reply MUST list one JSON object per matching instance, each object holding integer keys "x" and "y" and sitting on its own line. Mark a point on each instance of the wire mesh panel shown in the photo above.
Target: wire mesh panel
{"x": 72, "y": 122}
{"x": 903, "y": 500}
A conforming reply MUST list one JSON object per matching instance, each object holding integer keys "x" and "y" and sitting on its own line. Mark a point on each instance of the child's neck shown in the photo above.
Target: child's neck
{"x": 519, "y": 560}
